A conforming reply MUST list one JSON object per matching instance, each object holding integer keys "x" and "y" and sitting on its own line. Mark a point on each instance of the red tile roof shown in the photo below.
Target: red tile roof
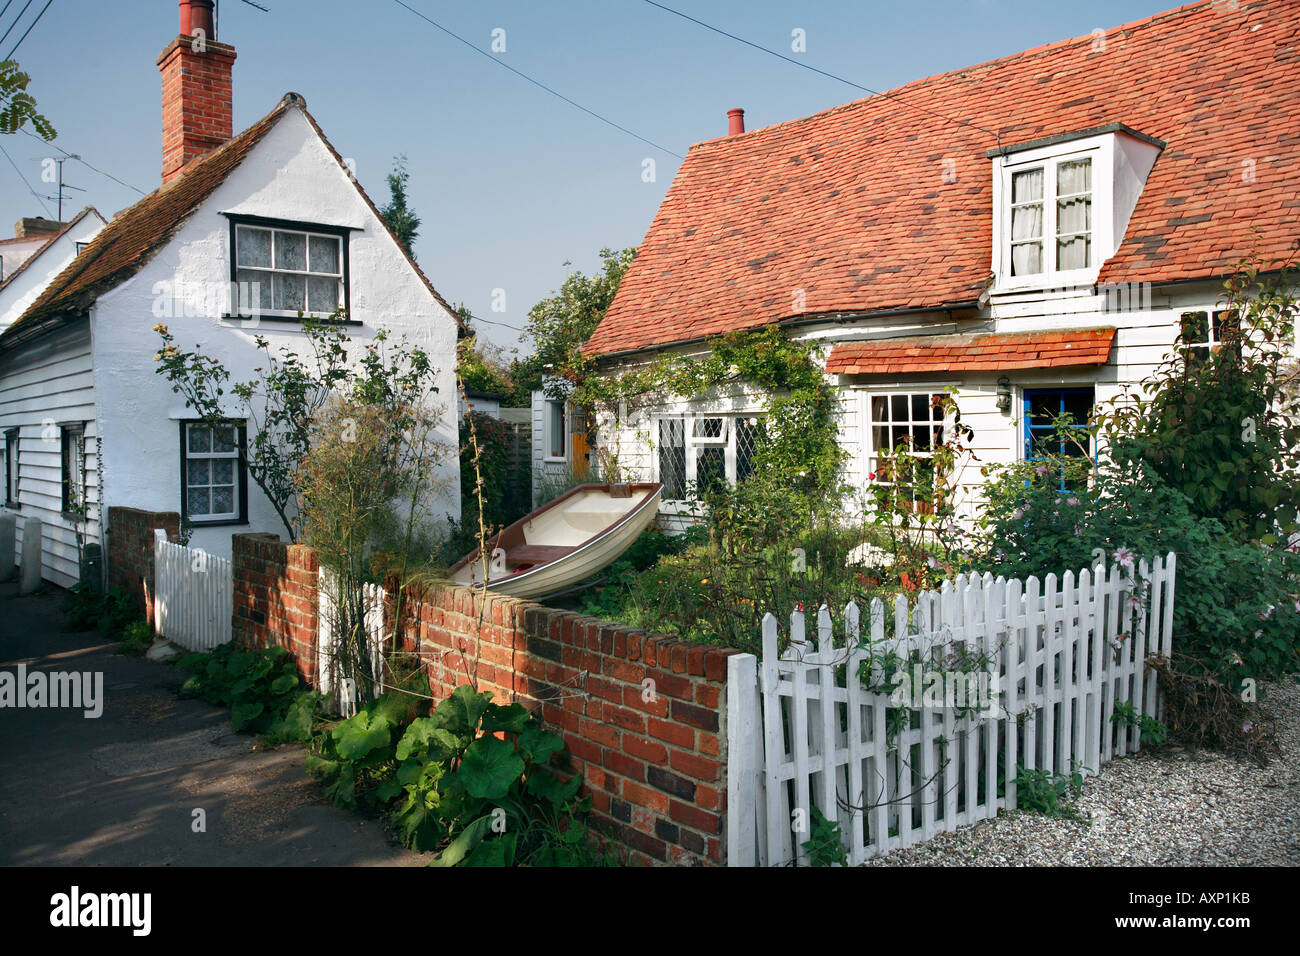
{"x": 973, "y": 353}
{"x": 133, "y": 236}
{"x": 850, "y": 205}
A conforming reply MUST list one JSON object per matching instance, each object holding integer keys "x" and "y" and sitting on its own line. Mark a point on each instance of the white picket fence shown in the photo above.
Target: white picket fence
{"x": 193, "y": 595}
{"x": 327, "y": 639}
{"x": 1061, "y": 655}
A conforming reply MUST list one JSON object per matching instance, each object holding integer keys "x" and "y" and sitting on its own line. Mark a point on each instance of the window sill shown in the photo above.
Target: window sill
{"x": 222, "y": 523}
{"x": 255, "y": 319}
{"x": 555, "y": 461}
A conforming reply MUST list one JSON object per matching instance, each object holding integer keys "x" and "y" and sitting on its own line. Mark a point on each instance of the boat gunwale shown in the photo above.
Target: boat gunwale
{"x": 656, "y": 490}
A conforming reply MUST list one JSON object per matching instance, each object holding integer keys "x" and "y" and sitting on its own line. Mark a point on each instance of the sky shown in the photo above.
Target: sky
{"x": 511, "y": 181}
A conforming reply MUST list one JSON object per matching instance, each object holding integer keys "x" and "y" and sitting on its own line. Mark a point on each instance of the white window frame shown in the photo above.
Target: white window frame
{"x": 266, "y": 297}
{"x": 225, "y": 517}
{"x": 548, "y": 431}
{"x": 693, "y": 442}
{"x": 1101, "y": 151}
{"x": 869, "y": 426}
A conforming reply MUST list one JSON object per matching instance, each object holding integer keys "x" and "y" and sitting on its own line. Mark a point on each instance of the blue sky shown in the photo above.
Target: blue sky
{"x": 510, "y": 181}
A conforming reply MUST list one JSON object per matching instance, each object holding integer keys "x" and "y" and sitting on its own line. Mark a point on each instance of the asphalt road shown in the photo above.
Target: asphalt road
{"x": 122, "y": 789}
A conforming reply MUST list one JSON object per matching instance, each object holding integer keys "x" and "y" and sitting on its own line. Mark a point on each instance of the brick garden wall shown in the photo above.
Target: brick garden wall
{"x": 642, "y": 716}
{"x": 130, "y": 551}
{"x": 276, "y": 602}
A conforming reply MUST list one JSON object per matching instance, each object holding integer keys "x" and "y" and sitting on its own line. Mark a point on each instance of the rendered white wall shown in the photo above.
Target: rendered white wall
{"x": 289, "y": 175}
{"x": 24, "y": 288}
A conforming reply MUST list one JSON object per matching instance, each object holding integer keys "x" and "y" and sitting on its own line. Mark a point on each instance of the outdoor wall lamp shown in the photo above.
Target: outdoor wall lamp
{"x": 1004, "y": 394}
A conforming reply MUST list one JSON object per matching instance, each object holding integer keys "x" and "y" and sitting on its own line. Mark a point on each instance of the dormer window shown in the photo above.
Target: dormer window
{"x": 1061, "y": 205}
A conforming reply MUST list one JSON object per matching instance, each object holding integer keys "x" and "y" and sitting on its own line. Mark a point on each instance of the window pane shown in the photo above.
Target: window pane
{"x": 748, "y": 431}
{"x": 290, "y": 292}
{"x": 898, "y": 405}
{"x": 291, "y": 251}
{"x": 1027, "y": 222}
{"x": 556, "y": 436}
{"x": 1078, "y": 406}
{"x": 253, "y": 247}
{"x": 1027, "y": 185}
{"x": 324, "y": 254}
{"x": 200, "y": 438}
{"x": 672, "y": 458}
{"x": 879, "y": 408}
{"x": 197, "y": 501}
{"x": 710, "y": 468}
{"x": 921, "y": 437}
{"x": 1196, "y": 328}
{"x": 198, "y": 472}
{"x": 920, "y": 408}
{"x": 323, "y": 294}
{"x": 1074, "y": 253}
{"x": 1027, "y": 259}
{"x": 254, "y": 290}
{"x": 223, "y": 500}
{"x": 223, "y": 439}
{"x": 223, "y": 471}
{"x": 709, "y": 428}
{"x": 1074, "y": 177}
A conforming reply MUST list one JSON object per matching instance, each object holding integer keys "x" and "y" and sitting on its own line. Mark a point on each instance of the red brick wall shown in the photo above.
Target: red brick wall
{"x": 130, "y": 551}
{"x": 275, "y": 591}
{"x": 653, "y": 756}
{"x": 654, "y": 763}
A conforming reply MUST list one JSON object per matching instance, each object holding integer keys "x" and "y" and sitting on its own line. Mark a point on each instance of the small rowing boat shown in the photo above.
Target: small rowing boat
{"x": 565, "y": 541}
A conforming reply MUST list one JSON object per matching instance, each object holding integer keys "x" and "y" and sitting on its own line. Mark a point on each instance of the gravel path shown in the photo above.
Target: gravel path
{"x": 1171, "y": 808}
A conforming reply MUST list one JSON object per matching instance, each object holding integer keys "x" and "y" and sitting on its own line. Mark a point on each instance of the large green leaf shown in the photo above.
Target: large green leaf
{"x": 488, "y": 768}
{"x": 511, "y": 718}
{"x": 245, "y": 712}
{"x": 357, "y": 736}
{"x": 537, "y": 746}
{"x": 464, "y": 843}
{"x": 547, "y": 786}
{"x": 498, "y": 851}
{"x": 425, "y": 739}
{"x": 460, "y": 713}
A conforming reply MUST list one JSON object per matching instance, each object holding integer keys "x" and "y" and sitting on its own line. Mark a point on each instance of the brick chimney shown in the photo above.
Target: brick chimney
{"x": 196, "y": 90}
{"x": 28, "y": 227}
{"x": 735, "y": 122}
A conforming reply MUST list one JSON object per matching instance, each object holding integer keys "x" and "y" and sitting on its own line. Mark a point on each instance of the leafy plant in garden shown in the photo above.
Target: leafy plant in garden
{"x": 825, "y": 844}
{"x": 452, "y": 784}
{"x": 109, "y": 612}
{"x": 1151, "y": 732}
{"x": 261, "y": 688}
{"x": 1048, "y": 793}
{"x": 1222, "y": 427}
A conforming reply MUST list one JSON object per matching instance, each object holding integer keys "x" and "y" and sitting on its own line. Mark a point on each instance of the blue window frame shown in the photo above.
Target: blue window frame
{"x": 1042, "y": 407}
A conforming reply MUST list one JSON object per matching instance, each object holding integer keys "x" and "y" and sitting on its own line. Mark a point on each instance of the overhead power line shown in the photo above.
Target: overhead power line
{"x": 538, "y": 83}
{"x": 24, "y": 179}
{"x": 17, "y": 20}
{"x": 29, "y": 29}
{"x": 83, "y": 162}
{"x": 813, "y": 69}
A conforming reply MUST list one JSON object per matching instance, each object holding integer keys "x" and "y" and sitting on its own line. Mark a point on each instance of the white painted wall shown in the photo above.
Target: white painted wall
{"x": 44, "y": 384}
{"x": 23, "y": 289}
{"x": 14, "y": 252}
{"x": 289, "y": 175}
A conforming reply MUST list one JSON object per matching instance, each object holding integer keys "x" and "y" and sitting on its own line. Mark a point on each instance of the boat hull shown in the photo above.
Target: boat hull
{"x": 569, "y": 525}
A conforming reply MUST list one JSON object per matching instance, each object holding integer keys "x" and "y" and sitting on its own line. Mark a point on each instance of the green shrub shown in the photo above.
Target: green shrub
{"x": 1235, "y": 605}
{"x": 1051, "y": 794}
{"x": 136, "y": 637}
{"x": 107, "y": 612}
{"x": 449, "y": 783}
{"x": 261, "y": 688}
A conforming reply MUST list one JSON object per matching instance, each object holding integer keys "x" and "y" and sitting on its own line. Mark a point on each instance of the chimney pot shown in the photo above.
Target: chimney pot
{"x": 197, "y": 15}
{"x": 735, "y": 122}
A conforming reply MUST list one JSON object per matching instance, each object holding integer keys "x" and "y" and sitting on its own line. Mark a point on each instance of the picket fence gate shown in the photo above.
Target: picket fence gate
{"x": 804, "y": 732}
{"x": 327, "y": 639}
{"x": 193, "y": 600}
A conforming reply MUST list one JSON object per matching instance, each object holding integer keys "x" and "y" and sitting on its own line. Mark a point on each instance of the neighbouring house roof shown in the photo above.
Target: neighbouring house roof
{"x": 848, "y": 212}
{"x": 135, "y": 235}
{"x": 973, "y": 353}
{"x": 52, "y": 238}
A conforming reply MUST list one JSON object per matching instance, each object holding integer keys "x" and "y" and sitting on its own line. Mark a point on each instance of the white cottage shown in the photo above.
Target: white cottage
{"x": 85, "y": 417}
{"x": 26, "y": 274}
{"x": 1033, "y": 231}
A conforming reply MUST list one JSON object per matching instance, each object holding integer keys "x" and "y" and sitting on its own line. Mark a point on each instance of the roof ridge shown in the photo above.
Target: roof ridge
{"x": 891, "y": 94}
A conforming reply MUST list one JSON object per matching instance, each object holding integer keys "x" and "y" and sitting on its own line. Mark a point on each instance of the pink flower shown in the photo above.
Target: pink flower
{"x": 1017, "y": 514}
{"x": 1134, "y": 602}
{"x": 1040, "y": 470}
{"x": 1072, "y": 501}
{"x": 871, "y": 476}
{"x": 1124, "y": 557}
{"x": 1247, "y": 726}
